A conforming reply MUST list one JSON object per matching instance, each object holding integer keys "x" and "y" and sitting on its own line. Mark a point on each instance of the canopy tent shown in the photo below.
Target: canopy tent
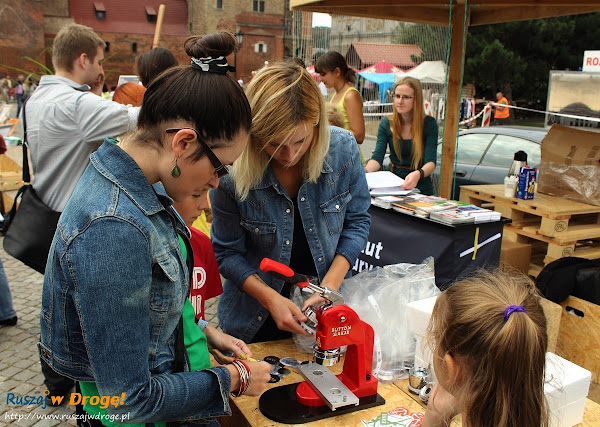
{"x": 384, "y": 80}
{"x": 458, "y": 14}
{"x": 381, "y": 67}
{"x": 426, "y": 72}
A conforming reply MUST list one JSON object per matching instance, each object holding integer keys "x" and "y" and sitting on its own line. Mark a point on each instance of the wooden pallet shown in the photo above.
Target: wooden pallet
{"x": 555, "y": 227}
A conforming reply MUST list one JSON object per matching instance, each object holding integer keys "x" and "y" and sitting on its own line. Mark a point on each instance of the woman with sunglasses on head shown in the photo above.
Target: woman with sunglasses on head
{"x": 298, "y": 195}
{"x": 118, "y": 274}
{"x": 411, "y": 136}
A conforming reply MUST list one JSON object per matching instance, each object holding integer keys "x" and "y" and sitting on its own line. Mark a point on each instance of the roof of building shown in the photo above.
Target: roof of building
{"x": 397, "y": 54}
{"x": 131, "y": 16}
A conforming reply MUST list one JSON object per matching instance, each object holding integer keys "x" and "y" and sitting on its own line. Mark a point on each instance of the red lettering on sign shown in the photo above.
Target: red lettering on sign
{"x": 588, "y": 61}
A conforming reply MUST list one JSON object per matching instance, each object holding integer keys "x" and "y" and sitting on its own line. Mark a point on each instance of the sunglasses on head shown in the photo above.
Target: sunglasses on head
{"x": 220, "y": 168}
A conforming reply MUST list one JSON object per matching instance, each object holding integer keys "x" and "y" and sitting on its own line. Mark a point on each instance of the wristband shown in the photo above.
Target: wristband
{"x": 202, "y": 324}
{"x": 422, "y": 173}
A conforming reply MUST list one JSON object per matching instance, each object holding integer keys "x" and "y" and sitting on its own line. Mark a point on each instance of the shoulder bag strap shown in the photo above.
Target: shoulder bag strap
{"x": 26, "y": 174}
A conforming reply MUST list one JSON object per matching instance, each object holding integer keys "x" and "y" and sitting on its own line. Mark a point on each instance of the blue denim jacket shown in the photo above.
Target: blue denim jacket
{"x": 335, "y": 218}
{"x": 113, "y": 294}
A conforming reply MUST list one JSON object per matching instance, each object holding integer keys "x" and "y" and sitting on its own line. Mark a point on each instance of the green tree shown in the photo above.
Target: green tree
{"x": 433, "y": 40}
{"x": 516, "y": 57}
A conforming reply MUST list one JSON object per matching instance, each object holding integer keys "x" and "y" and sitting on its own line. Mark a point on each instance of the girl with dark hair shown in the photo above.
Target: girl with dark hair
{"x": 490, "y": 339}
{"x": 411, "y": 137}
{"x": 150, "y": 64}
{"x": 336, "y": 74}
{"x": 115, "y": 314}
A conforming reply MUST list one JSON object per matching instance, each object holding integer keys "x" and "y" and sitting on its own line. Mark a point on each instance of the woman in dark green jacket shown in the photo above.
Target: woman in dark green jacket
{"x": 411, "y": 136}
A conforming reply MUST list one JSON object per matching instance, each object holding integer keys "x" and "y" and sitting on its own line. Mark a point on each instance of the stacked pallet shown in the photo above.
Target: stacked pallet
{"x": 554, "y": 227}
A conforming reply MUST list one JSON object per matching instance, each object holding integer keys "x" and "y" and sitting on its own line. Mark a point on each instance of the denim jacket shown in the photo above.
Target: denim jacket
{"x": 335, "y": 218}
{"x": 113, "y": 294}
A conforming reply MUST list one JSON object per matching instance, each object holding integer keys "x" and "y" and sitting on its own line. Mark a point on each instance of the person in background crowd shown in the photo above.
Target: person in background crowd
{"x": 298, "y": 195}
{"x": 66, "y": 122}
{"x": 8, "y": 315}
{"x": 336, "y": 74}
{"x": 490, "y": 338}
{"x": 153, "y": 62}
{"x": 501, "y": 111}
{"x": 117, "y": 321}
{"x": 19, "y": 92}
{"x": 129, "y": 94}
{"x": 6, "y": 84}
{"x": 411, "y": 137}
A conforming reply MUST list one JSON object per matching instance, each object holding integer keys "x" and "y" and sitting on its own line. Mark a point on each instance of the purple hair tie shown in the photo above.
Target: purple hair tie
{"x": 511, "y": 309}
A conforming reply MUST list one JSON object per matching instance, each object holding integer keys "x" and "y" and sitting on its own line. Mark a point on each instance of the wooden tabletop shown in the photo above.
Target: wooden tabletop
{"x": 246, "y": 412}
{"x": 542, "y": 204}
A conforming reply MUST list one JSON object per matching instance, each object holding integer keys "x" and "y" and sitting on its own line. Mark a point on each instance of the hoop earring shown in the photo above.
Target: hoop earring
{"x": 175, "y": 172}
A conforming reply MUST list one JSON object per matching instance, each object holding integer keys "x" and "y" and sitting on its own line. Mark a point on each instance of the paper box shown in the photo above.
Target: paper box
{"x": 570, "y": 165}
{"x": 418, "y": 314}
{"x": 526, "y": 183}
{"x": 515, "y": 254}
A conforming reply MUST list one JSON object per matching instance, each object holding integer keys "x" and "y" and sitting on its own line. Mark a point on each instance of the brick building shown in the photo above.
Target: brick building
{"x": 28, "y": 27}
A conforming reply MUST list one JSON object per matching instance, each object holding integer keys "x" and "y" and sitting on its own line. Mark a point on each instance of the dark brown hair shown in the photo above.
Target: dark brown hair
{"x": 332, "y": 60}
{"x": 501, "y": 361}
{"x": 153, "y": 62}
{"x": 214, "y": 104}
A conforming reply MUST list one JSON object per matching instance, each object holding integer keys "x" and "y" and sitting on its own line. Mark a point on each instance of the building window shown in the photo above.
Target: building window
{"x": 100, "y": 10}
{"x": 150, "y": 14}
{"x": 219, "y": 4}
{"x": 260, "y": 47}
{"x": 107, "y": 47}
{"x": 134, "y": 47}
{"x": 258, "y": 6}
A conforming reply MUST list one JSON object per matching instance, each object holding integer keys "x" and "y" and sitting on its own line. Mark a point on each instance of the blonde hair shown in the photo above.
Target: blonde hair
{"x": 501, "y": 361}
{"x": 282, "y": 96}
{"x": 70, "y": 42}
{"x": 334, "y": 115}
{"x": 417, "y": 122}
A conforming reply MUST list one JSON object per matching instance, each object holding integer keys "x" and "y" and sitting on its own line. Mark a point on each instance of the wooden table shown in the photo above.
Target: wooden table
{"x": 246, "y": 412}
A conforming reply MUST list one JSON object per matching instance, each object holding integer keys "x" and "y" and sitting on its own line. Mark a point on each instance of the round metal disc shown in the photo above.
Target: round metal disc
{"x": 291, "y": 362}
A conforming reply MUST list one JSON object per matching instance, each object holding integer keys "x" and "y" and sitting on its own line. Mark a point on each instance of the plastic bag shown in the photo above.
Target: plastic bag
{"x": 379, "y": 297}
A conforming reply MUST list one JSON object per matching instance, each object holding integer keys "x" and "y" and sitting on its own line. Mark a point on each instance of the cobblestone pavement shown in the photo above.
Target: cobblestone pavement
{"x": 20, "y": 371}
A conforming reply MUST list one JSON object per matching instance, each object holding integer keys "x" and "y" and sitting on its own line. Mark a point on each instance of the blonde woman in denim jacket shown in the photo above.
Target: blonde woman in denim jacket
{"x": 297, "y": 194}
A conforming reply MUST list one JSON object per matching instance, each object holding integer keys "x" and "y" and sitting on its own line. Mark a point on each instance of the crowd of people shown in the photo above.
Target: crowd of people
{"x": 128, "y": 275}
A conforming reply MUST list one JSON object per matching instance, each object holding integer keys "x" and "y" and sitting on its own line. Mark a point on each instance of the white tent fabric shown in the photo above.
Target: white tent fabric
{"x": 426, "y": 72}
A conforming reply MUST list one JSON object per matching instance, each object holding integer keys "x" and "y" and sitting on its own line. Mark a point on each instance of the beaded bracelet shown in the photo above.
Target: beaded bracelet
{"x": 245, "y": 377}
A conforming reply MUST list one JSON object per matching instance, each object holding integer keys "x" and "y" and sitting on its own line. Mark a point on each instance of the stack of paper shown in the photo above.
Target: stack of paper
{"x": 385, "y": 183}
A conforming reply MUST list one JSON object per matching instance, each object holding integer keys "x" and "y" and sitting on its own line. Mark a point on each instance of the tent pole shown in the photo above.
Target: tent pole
{"x": 457, "y": 57}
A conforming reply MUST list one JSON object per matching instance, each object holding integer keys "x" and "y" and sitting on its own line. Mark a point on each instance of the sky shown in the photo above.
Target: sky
{"x": 321, "y": 20}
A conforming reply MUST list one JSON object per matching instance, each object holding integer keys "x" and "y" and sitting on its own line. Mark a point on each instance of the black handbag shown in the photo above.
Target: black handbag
{"x": 29, "y": 230}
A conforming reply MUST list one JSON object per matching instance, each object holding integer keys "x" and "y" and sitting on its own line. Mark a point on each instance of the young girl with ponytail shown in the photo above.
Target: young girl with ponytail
{"x": 490, "y": 348}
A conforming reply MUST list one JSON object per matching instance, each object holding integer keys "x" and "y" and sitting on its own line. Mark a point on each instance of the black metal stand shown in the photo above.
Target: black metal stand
{"x": 279, "y": 404}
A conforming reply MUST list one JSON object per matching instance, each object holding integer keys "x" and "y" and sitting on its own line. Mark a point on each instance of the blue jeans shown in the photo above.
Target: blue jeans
{"x": 6, "y": 307}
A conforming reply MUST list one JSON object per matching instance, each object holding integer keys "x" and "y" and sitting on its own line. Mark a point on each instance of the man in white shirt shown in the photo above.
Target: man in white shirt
{"x": 66, "y": 121}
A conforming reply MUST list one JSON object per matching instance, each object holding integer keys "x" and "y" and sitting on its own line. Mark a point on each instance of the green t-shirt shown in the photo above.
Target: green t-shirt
{"x": 198, "y": 356}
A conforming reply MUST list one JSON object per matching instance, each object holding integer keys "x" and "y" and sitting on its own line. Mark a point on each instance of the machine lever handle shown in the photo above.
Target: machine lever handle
{"x": 283, "y": 272}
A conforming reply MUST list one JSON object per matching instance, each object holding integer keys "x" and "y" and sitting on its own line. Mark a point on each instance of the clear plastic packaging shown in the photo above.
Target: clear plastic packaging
{"x": 379, "y": 297}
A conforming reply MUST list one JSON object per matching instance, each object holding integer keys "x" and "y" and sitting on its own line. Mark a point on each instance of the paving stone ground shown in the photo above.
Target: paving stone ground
{"x": 20, "y": 372}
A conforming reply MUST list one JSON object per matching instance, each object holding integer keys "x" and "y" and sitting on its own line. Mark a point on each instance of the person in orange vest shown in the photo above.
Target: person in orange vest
{"x": 501, "y": 113}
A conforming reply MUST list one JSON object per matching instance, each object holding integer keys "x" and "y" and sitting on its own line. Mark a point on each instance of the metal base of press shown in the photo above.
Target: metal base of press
{"x": 279, "y": 404}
